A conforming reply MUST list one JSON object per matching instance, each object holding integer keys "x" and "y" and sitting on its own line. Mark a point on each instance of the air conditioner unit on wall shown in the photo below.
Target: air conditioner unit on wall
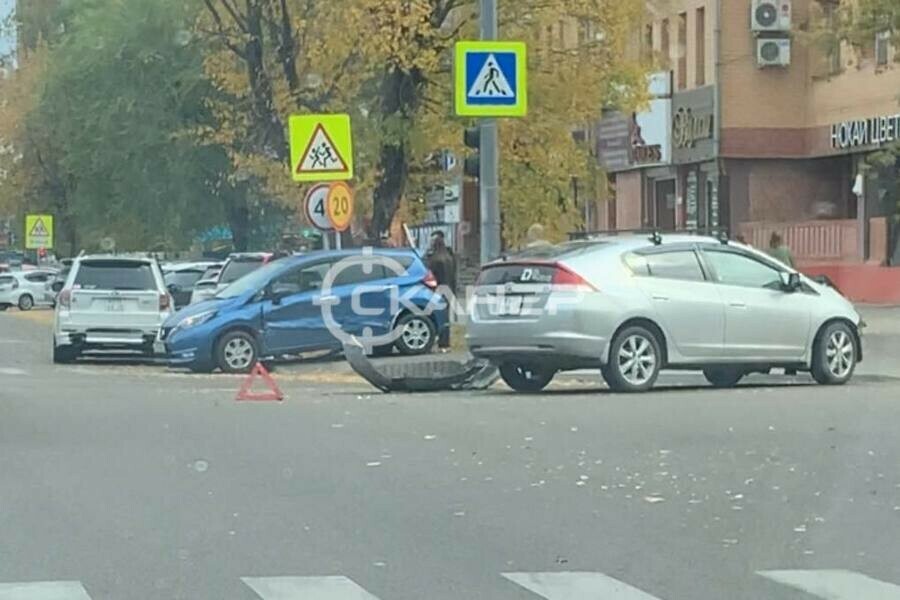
{"x": 770, "y": 15}
{"x": 773, "y": 52}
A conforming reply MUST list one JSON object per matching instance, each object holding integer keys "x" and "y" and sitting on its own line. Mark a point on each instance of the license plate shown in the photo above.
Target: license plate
{"x": 114, "y": 306}
{"x": 510, "y": 305}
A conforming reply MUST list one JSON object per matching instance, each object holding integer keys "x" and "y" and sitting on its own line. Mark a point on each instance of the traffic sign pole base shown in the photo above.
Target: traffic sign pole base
{"x": 246, "y": 393}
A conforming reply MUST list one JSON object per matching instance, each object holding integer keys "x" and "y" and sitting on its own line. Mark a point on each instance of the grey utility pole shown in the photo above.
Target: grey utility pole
{"x": 488, "y": 170}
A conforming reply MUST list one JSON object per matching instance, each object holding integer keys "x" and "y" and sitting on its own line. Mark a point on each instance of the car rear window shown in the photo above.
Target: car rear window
{"x": 6, "y": 279}
{"x": 237, "y": 268}
{"x": 185, "y": 278}
{"x": 114, "y": 275}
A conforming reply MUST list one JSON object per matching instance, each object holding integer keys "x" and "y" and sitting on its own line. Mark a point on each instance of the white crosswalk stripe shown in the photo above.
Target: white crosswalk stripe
{"x": 835, "y": 584}
{"x": 827, "y": 584}
{"x": 43, "y": 590}
{"x": 307, "y": 588}
{"x": 577, "y": 586}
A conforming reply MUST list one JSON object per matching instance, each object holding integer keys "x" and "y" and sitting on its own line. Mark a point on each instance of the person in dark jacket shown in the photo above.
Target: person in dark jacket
{"x": 442, "y": 264}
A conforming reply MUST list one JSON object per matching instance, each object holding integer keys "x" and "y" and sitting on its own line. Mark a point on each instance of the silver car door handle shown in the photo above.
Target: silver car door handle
{"x": 658, "y": 297}
{"x": 329, "y": 299}
{"x": 737, "y": 304}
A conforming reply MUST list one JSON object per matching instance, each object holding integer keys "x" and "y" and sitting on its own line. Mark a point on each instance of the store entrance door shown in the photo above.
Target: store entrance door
{"x": 665, "y": 205}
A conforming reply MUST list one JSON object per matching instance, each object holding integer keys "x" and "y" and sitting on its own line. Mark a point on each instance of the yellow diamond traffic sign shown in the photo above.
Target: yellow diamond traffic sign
{"x": 321, "y": 147}
{"x": 38, "y": 232}
{"x": 491, "y": 79}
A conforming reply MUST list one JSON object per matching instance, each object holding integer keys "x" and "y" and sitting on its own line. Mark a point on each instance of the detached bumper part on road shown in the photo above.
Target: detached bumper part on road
{"x": 428, "y": 376}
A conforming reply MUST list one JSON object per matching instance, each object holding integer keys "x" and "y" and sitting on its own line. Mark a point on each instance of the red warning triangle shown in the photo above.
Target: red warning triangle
{"x": 245, "y": 392}
{"x": 321, "y": 155}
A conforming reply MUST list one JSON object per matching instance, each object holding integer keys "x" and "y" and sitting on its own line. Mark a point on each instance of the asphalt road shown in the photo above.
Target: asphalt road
{"x": 129, "y": 482}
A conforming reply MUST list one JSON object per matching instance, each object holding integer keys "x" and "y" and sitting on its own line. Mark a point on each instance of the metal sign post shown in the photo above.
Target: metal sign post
{"x": 488, "y": 176}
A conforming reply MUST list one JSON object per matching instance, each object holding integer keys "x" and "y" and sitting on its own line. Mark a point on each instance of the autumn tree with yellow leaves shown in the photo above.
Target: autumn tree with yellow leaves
{"x": 389, "y": 64}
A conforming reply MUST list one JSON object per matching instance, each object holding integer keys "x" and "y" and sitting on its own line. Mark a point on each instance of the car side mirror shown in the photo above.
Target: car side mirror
{"x": 790, "y": 282}
{"x": 173, "y": 288}
{"x": 57, "y": 286}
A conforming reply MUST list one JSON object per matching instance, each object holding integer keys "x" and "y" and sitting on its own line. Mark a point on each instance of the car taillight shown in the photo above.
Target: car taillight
{"x": 65, "y": 298}
{"x": 430, "y": 280}
{"x": 164, "y": 302}
{"x": 565, "y": 276}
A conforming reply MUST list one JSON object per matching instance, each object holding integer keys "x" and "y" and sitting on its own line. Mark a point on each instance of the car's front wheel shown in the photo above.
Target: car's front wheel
{"x": 834, "y": 355}
{"x": 526, "y": 378}
{"x": 26, "y": 302}
{"x": 634, "y": 361}
{"x": 415, "y": 334}
{"x": 237, "y": 352}
{"x": 723, "y": 377}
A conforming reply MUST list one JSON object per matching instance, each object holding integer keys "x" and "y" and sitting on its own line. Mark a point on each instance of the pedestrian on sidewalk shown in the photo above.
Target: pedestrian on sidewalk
{"x": 778, "y": 249}
{"x": 442, "y": 264}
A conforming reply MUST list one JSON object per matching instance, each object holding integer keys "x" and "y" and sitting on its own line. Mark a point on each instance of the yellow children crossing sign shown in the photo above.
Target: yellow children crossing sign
{"x": 38, "y": 232}
{"x": 321, "y": 147}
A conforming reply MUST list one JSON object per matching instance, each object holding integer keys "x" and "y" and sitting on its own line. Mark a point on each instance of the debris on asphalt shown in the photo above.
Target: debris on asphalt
{"x": 428, "y": 376}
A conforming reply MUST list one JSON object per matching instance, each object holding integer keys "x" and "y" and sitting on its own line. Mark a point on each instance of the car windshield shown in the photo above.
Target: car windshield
{"x": 114, "y": 275}
{"x": 254, "y": 281}
{"x": 238, "y": 267}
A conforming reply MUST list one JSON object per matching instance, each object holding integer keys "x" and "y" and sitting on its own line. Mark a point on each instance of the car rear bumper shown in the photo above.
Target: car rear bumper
{"x": 104, "y": 335}
{"x": 517, "y": 343}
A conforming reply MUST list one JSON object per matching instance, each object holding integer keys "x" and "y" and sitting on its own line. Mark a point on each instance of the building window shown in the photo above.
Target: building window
{"x": 648, "y": 41}
{"x": 834, "y": 50}
{"x": 682, "y": 51}
{"x": 562, "y": 34}
{"x": 664, "y": 41}
{"x": 882, "y": 44}
{"x": 700, "y": 47}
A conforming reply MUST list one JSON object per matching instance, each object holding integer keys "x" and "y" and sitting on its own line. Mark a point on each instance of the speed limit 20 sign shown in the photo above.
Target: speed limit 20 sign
{"x": 339, "y": 205}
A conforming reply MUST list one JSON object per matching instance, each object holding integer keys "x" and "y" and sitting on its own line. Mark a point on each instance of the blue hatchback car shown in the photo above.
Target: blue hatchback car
{"x": 311, "y": 302}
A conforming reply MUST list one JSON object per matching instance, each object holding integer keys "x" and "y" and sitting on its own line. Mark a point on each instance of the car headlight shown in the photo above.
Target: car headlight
{"x": 195, "y": 320}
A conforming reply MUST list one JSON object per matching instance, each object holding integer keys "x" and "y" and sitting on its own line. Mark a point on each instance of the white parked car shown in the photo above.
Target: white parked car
{"x": 25, "y": 289}
{"x": 110, "y": 302}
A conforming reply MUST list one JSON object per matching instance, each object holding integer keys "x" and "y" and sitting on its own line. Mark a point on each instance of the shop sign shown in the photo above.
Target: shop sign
{"x": 874, "y": 131}
{"x": 688, "y": 128}
{"x": 693, "y": 125}
{"x": 641, "y": 138}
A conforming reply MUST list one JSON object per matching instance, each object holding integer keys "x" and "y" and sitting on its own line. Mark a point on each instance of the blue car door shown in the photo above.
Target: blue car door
{"x": 363, "y": 296}
{"x": 291, "y": 314}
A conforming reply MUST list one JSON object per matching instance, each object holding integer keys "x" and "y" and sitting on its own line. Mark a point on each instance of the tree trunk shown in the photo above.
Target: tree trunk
{"x": 393, "y": 163}
{"x": 269, "y": 136}
{"x": 401, "y": 95}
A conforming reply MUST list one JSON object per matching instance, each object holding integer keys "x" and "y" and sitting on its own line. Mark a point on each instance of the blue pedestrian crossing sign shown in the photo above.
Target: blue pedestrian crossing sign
{"x": 491, "y": 79}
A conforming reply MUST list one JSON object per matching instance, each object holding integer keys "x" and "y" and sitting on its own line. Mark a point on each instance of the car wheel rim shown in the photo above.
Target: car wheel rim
{"x": 840, "y": 354}
{"x": 26, "y": 302}
{"x": 238, "y": 353}
{"x": 416, "y": 334}
{"x": 637, "y": 360}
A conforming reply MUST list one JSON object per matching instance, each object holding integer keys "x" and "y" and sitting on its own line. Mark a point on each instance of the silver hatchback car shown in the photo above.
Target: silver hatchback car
{"x": 634, "y": 305}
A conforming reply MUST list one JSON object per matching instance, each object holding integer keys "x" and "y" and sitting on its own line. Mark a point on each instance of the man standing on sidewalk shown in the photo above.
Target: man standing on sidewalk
{"x": 442, "y": 263}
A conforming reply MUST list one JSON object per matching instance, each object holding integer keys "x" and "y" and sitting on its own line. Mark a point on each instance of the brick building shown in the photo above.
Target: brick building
{"x": 767, "y": 131}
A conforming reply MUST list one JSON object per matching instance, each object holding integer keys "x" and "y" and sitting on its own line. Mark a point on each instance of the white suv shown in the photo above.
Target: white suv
{"x": 110, "y": 302}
